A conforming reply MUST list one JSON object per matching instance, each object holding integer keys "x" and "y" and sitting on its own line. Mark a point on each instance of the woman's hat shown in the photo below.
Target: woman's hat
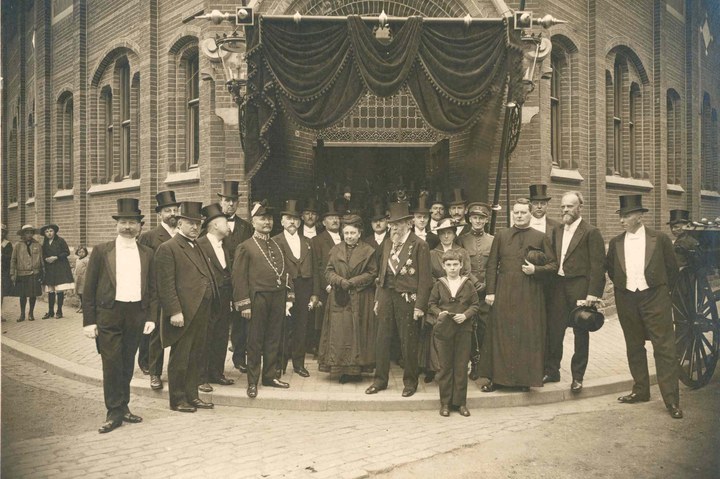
{"x": 539, "y": 193}
{"x": 230, "y": 190}
{"x": 210, "y": 212}
{"x": 445, "y": 224}
{"x": 630, "y": 203}
{"x": 52, "y": 226}
{"x": 679, "y": 216}
{"x": 399, "y": 211}
{"x": 291, "y": 209}
{"x": 164, "y": 199}
{"x": 352, "y": 219}
{"x": 128, "y": 208}
{"x": 190, "y": 210}
{"x": 24, "y": 228}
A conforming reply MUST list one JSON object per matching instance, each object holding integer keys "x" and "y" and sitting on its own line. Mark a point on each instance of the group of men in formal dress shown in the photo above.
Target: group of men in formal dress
{"x": 205, "y": 274}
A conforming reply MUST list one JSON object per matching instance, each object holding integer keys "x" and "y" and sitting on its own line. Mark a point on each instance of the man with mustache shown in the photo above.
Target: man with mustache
{"x": 151, "y": 355}
{"x": 580, "y": 249}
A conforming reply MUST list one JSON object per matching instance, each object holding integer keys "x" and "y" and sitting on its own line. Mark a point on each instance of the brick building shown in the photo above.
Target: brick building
{"x": 103, "y": 99}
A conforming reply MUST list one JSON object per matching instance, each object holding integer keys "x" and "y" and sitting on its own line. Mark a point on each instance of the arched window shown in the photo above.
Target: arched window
{"x": 64, "y": 137}
{"x": 192, "y": 112}
{"x": 123, "y": 78}
{"x": 184, "y": 111}
{"x": 564, "y": 114}
{"x": 108, "y": 133}
{"x": 674, "y": 138}
{"x": 13, "y": 152}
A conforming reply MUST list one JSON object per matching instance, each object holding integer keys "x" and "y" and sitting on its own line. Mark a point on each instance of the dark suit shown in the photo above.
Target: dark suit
{"x": 412, "y": 277}
{"x": 238, "y": 329}
{"x": 430, "y": 238}
{"x": 152, "y": 355}
{"x": 584, "y": 274}
{"x": 301, "y": 274}
{"x": 219, "y": 325}
{"x": 185, "y": 285}
{"x": 120, "y": 324}
{"x": 321, "y": 246}
{"x": 648, "y": 312}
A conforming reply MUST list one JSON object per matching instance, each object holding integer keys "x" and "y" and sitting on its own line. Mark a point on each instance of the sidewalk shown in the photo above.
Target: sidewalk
{"x": 59, "y": 346}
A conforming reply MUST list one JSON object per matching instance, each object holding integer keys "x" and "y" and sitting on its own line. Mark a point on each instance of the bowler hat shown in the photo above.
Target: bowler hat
{"x": 165, "y": 198}
{"x": 230, "y": 189}
{"x": 261, "y": 208}
{"x": 26, "y": 228}
{"x": 210, "y": 212}
{"x": 399, "y": 211}
{"x": 445, "y": 224}
{"x": 630, "y": 203}
{"x": 586, "y": 318}
{"x": 679, "y": 216}
{"x": 479, "y": 208}
{"x": 422, "y": 204}
{"x": 331, "y": 210}
{"x": 190, "y": 210}
{"x": 128, "y": 208}
{"x": 310, "y": 205}
{"x": 458, "y": 197}
{"x": 291, "y": 209}
{"x": 379, "y": 211}
{"x": 539, "y": 193}
{"x": 51, "y": 226}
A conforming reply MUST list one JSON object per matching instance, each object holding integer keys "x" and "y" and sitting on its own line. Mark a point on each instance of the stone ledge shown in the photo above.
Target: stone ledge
{"x": 191, "y": 176}
{"x": 571, "y": 176}
{"x": 125, "y": 185}
{"x": 64, "y": 194}
{"x": 631, "y": 183}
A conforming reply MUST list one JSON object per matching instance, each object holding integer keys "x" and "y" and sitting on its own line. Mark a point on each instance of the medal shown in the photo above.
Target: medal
{"x": 280, "y": 273}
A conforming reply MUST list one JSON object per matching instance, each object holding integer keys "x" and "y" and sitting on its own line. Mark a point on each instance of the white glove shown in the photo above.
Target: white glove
{"x": 288, "y": 305}
{"x": 149, "y": 327}
{"x": 91, "y": 331}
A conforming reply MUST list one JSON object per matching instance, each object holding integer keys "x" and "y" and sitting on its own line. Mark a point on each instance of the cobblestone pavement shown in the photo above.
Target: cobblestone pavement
{"x": 64, "y": 339}
{"x": 240, "y": 442}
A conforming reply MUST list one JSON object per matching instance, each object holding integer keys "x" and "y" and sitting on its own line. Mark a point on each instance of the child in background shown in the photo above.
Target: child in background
{"x": 80, "y": 268}
{"x": 453, "y": 301}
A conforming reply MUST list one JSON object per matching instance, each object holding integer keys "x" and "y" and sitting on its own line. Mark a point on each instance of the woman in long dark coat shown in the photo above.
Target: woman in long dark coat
{"x": 7, "y": 249}
{"x": 347, "y": 344}
{"x": 58, "y": 274}
{"x": 515, "y": 292}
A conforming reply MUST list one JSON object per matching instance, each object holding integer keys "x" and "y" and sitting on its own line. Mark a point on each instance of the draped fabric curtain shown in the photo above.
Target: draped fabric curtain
{"x": 316, "y": 72}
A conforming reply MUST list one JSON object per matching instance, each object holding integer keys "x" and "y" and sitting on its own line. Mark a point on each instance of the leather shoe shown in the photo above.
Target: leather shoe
{"x": 21, "y": 319}
{"x": 242, "y": 368}
{"x": 155, "y": 382}
{"x": 463, "y": 410}
{"x": 374, "y": 389}
{"x": 223, "y": 381}
{"x": 407, "y": 392}
{"x": 200, "y": 404}
{"x": 276, "y": 383}
{"x": 488, "y": 388}
{"x": 549, "y": 378}
{"x": 51, "y": 315}
{"x": 252, "y": 391}
{"x": 302, "y": 372}
{"x": 675, "y": 411}
{"x": 31, "y": 318}
{"x": 576, "y": 386}
{"x": 145, "y": 370}
{"x": 132, "y": 418}
{"x": 205, "y": 387}
{"x": 474, "y": 372}
{"x": 58, "y": 315}
{"x": 183, "y": 407}
{"x": 444, "y": 411}
{"x": 632, "y": 398}
{"x": 429, "y": 377}
{"x": 108, "y": 426}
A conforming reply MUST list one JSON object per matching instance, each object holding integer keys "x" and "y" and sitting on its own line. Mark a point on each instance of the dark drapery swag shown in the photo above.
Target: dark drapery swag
{"x": 317, "y": 72}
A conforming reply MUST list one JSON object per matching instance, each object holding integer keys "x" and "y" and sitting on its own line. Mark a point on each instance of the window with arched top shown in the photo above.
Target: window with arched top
{"x": 64, "y": 151}
{"x": 192, "y": 109}
{"x": 673, "y": 138}
{"x": 184, "y": 110}
{"x": 564, "y": 119}
{"x": 12, "y": 171}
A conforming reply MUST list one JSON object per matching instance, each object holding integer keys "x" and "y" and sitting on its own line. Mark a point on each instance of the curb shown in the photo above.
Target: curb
{"x": 332, "y": 401}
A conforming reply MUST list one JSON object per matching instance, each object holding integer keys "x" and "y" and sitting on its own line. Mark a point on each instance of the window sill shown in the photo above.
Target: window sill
{"x": 64, "y": 194}
{"x": 191, "y": 176}
{"x": 13, "y": 205}
{"x": 672, "y": 188}
{"x": 709, "y": 194}
{"x": 30, "y": 201}
{"x": 572, "y": 176}
{"x": 124, "y": 185}
{"x": 631, "y": 183}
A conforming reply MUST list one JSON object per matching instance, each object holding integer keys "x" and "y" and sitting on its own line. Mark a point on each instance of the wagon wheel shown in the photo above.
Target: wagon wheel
{"x": 697, "y": 330}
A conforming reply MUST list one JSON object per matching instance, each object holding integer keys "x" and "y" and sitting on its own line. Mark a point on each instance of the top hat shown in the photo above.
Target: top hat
{"x": 310, "y": 205}
{"x": 539, "y": 193}
{"x": 261, "y": 208}
{"x": 679, "y": 216}
{"x": 165, "y": 198}
{"x": 230, "y": 189}
{"x": 190, "y": 210}
{"x": 630, "y": 203}
{"x": 586, "y": 318}
{"x": 128, "y": 208}
{"x": 458, "y": 197}
{"x": 291, "y": 209}
{"x": 26, "y": 228}
{"x": 51, "y": 226}
{"x": 210, "y": 212}
{"x": 479, "y": 208}
{"x": 399, "y": 211}
{"x": 379, "y": 211}
{"x": 445, "y": 224}
{"x": 438, "y": 199}
{"x": 331, "y": 210}
{"x": 422, "y": 206}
